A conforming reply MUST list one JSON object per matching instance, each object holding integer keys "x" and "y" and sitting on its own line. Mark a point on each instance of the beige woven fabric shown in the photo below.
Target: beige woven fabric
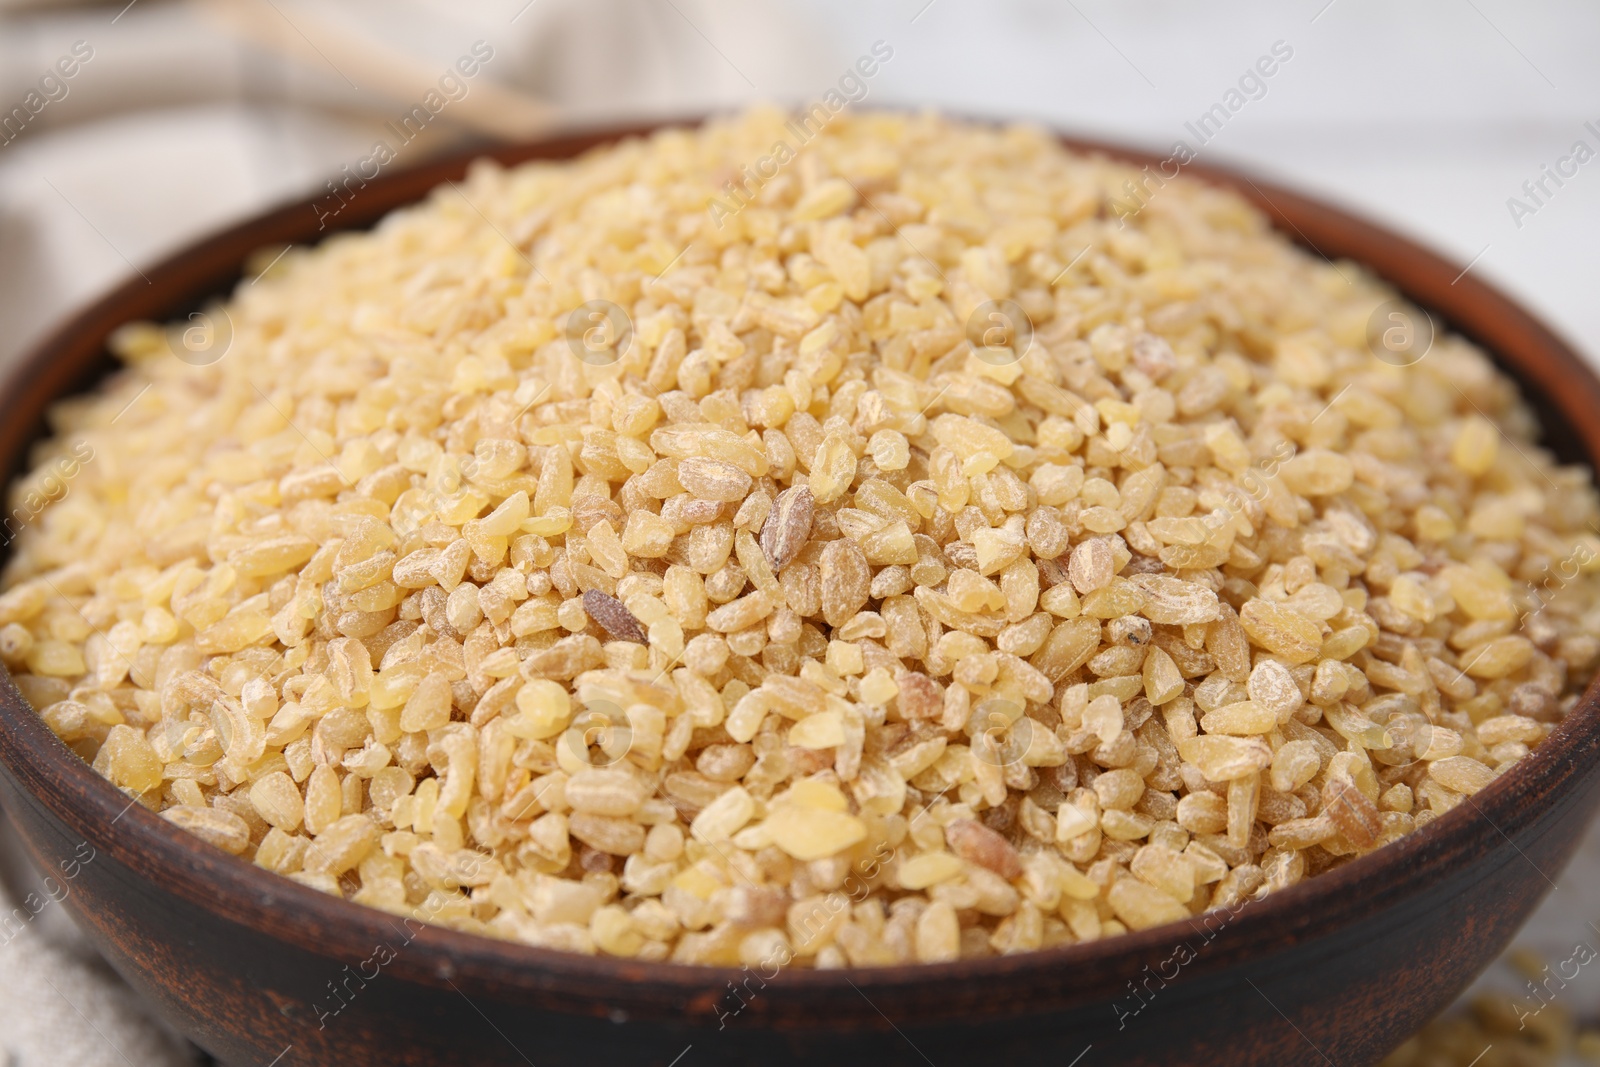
{"x": 62, "y": 1005}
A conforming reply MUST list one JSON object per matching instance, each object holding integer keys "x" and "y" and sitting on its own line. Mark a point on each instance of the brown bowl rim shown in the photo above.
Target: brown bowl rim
{"x": 323, "y": 925}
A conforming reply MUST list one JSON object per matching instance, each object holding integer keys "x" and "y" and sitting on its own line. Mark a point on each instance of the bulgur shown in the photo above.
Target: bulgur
{"x": 923, "y": 562}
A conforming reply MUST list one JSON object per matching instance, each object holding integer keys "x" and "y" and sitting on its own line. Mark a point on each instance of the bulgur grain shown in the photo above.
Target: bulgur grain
{"x": 1180, "y": 598}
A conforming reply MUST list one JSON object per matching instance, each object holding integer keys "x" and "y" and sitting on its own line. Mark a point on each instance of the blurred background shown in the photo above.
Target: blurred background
{"x": 179, "y": 118}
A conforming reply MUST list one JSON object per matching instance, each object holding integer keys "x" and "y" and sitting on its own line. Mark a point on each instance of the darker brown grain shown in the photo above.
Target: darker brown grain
{"x": 613, "y": 616}
{"x": 788, "y": 526}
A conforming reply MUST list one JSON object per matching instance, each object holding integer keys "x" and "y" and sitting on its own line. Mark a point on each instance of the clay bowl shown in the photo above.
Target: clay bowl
{"x": 1337, "y": 970}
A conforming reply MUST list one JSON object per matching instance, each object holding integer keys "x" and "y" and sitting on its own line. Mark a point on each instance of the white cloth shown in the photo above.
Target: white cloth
{"x": 60, "y": 1004}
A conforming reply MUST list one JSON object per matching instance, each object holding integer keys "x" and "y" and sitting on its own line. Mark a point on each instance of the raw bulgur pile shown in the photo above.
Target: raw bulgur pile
{"x": 786, "y": 622}
{"x": 1499, "y": 1031}
{"x": 1531, "y": 1028}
